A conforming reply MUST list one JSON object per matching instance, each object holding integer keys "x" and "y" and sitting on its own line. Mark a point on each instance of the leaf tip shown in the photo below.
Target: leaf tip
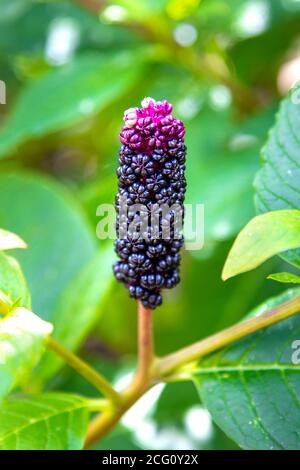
{"x": 11, "y": 241}
{"x": 226, "y": 274}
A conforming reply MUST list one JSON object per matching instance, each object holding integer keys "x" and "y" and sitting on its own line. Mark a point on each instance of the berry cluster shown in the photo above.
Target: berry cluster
{"x": 151, "y": 176}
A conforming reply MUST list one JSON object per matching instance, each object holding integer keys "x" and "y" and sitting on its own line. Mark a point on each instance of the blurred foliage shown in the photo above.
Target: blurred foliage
{"x": 70, "y": 70}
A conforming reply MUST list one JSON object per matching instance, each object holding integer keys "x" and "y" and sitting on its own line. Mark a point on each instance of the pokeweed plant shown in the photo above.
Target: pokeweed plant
{"x": 246, "y": 375}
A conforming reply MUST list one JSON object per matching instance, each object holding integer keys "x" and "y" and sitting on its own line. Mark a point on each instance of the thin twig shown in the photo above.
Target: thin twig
{"x": 86, "y": 371}
{"x": 168, "y": 364}
{"x": 171, "y": 365}
{"x": 103, "y": 423}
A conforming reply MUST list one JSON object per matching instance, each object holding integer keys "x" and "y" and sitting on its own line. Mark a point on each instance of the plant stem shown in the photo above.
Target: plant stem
{"x": 150, "y": 372}
{"x": 86, "y": 371}
{"x": 97, "y": 404}
{"x": 173, "y": 362}
{"x": 105, "y": 422}
{"x": 145, "y": 343}
{"x": 142, "y": 380}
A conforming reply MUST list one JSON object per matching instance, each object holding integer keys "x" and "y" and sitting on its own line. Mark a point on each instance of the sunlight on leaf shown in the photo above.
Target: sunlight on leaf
{"x": 10, "y": 241}
{"x": 63, "y": 416}
{"x": 285, "y": 277}
{"x": 12, "y": 281}
{"x": 263, "y": 237}
{"x": 22, "y": 342}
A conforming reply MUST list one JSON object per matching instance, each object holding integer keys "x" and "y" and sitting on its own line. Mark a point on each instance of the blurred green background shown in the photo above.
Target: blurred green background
{"x": 70, "y": 69}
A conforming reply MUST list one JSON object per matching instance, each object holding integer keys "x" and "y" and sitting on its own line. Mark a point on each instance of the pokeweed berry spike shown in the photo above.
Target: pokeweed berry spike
{"x": 151, "y": 191}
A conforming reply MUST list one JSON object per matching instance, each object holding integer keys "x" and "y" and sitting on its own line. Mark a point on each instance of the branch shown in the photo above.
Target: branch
{"x": 86, "y": 371}
{"x": 168, "y": 366}
{"x": 173, "y": 362}
{"x": 142, "y": 380}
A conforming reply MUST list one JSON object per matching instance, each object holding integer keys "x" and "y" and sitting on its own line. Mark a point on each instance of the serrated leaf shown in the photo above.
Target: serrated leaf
{"x": 276, "y": 184}
{"x": 10, "y": 241}
{"x": 251, "y": 388}
{"x": 22, "y": 341}
{"x": 78, "y": 308}
{"x": 263, "y": 237}
{"x": 68, "y": 94}
{"x": 53, "y": 421}
{"x": 285, "y": 277}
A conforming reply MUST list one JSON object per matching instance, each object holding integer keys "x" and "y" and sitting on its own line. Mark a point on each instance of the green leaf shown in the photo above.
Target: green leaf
{"x": 53, "y": 421}
{"x": 59, "y": 237}
{"x": 9, "y": 241}
{"x": 6, "y": 304}
{"x": 276, "y": 183}
{"x": 68, "y": 94}
{"x": 251, "y": 388}
{"x": 263, "y": 237}
{"x": 285, "y": 277}
{"x": 79, "y": 308}
{"x": 22, "y": 342}
{"x": 12, "y": 281}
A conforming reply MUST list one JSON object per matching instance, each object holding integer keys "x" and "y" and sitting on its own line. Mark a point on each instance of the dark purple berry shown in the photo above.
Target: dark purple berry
{"x": 152, "y": 281}
{"x": 151, "y": 173}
